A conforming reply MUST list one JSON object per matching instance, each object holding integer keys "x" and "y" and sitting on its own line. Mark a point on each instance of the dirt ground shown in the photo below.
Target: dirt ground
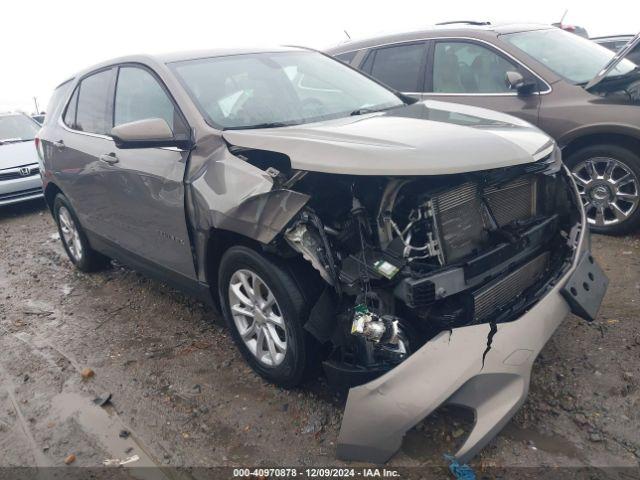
{"x": 182, "y": 396}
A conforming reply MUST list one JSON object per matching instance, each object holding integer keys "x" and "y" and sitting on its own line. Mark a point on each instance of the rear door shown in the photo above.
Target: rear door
{"x": 146, "y": 189}
{"x": 474, "y": 73}
{"x": 76, "y": 146}
{"x": 400, "y": 66}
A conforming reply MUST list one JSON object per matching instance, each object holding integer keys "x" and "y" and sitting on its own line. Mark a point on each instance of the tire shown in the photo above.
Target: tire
{"x": 73, "y": 238}
{"x": 293, "y": 363}
{"x": 612, "y": 208}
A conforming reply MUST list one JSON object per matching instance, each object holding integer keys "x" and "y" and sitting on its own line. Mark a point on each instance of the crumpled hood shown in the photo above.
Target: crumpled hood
{"x": 17, "y": 154}
{"x": 426, "y": 138}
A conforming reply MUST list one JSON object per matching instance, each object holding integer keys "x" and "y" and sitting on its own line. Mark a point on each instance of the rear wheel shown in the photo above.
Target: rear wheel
{"x": 265, "y": 311}
{"x": 73, "y": 238}
{"x": 607, "y": 177}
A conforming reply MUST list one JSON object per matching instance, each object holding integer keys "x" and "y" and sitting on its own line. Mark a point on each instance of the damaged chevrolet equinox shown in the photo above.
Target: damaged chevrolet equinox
{"x": 421, "y": 253}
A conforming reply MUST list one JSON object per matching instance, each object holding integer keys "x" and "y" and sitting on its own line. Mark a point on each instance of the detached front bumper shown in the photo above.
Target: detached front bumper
{"x": 449, "y": 369}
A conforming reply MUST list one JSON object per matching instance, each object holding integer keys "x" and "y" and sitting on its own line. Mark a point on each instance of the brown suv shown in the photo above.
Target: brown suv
{"x": 575, "y": 90}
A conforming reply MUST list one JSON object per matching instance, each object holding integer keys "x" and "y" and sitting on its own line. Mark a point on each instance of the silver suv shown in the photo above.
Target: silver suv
{"x": 421, "y": 252}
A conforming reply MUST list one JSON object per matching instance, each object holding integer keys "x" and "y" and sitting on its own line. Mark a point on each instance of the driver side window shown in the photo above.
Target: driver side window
{"x": 139, "y": 96}
{"x": 464, "y": 67}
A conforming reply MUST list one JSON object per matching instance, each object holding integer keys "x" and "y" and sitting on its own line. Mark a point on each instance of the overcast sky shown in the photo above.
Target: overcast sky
{"x": 45, "y": 42}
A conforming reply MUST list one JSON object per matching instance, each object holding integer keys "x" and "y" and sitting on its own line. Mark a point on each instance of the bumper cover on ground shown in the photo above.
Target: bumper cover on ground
{"x": 449, "y": 369}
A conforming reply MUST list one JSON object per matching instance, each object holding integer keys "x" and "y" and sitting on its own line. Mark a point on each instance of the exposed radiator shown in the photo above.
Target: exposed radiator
{"x": 500, "y": 293}
{"x": 515, "y": 200}
{"x": 462, "y": 218}
{"x": 460, "y": 221}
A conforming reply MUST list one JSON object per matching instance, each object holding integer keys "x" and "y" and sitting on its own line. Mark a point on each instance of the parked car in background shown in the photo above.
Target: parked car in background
{"x": 575, "y": 29}
{"x": 616, "y": 43}
{"x": 19, "y": 170}
{"x": 613, "y": 42}
{"x": 541, "y": 74}
{"x": 38, "y": 117}
{"x": 333, "y": 220}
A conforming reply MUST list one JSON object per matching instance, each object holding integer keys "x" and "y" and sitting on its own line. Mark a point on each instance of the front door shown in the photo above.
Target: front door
{"x": 468, "y": 72}
{"x": 146, "y": 185}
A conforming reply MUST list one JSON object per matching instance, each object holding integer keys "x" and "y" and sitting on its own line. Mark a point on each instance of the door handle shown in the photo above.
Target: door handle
{"x": 109, "y": 158}
{"x": 59, "y": 145}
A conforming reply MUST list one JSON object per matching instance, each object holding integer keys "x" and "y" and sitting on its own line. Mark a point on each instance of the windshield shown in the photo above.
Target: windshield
{"x": 17, "y": 128}
{"x": 278, "y": 89}
{"x": 570, "y": 56}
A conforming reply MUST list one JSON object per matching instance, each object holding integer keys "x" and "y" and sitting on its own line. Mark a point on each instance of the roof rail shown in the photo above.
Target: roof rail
{"x": 466, "y": 22}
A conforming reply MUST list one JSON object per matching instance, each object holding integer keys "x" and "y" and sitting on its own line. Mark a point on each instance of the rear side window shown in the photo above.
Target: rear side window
{"x": 139, "y": 96}
{"x": 93, "y": 112}
{"x": 400, "y": 66}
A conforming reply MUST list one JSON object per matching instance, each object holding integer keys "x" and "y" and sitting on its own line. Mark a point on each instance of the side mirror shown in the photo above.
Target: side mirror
{"x": 515, "y": 81}
{"x": 147, "y": 133}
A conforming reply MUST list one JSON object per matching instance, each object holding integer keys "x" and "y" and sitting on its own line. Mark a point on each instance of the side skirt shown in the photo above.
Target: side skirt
{"x": 190, "y": 286}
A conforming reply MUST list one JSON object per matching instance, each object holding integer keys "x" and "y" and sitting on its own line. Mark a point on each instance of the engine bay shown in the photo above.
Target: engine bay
{"x": 404, "y": 258}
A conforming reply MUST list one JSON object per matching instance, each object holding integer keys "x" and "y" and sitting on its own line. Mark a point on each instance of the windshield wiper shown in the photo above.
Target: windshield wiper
{"x": 262, "y": 125}
{"x": 613, "y": 78}
{"x": 365, "y": 110}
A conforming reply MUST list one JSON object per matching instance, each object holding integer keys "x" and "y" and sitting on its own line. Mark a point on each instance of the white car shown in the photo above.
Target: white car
{"x": 19, "y": 170}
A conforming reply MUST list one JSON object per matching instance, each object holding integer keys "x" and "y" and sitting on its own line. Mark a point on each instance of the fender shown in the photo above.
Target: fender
{"x": 230, "y": 195}
{"x": 599, "y": 129}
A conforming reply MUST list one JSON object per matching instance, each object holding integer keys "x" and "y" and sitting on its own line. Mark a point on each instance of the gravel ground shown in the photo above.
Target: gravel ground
{"x": 182, "y": 396}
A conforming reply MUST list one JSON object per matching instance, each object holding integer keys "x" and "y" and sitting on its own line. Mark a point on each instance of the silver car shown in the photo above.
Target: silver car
{"x": 19, "y": 170}
{"x": 421, "y": 252}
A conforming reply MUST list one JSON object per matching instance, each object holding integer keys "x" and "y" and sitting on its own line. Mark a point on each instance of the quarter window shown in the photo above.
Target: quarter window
{"x": 139, "y": 96}
{"x": 70, "y": 114}
{"x": 55, "y": 103}
{"x": 464, "y": 67}
{"x": 93, "y": 112}
{"x": 399, "y": 66}
{"x": 347, "y": 57}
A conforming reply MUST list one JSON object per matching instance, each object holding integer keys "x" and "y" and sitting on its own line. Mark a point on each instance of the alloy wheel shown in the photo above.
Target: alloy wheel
{"x": 609, "y": 190}
{"x": 70, "y": 233}
{"x": 258, "y": 317}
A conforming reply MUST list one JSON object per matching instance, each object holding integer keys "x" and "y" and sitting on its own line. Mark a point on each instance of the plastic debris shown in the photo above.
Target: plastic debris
{"x": 460, "y": 472}
{"x": 116, "y": 462}
{"x": 102, "y": 400}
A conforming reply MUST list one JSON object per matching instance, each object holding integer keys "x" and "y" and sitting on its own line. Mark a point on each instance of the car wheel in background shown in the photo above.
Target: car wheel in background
{"x": 608, "y": 179}
{"x": 73, "y": 238}
{"x": 265, "y": 311}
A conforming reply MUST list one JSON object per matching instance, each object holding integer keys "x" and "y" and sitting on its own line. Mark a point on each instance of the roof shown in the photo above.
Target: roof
{"x": 219, "y": 52}
{"x": 457, "y": 30}
{"x": 181, "y": 56}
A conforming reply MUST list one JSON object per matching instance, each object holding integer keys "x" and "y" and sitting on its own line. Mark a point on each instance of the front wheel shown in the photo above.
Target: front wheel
{"x": 265, "y": 311}
{"x": 607, "y": 177}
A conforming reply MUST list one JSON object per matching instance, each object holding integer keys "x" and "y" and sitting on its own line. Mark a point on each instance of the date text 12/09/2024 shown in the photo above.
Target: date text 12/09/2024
{"x": 316, "y": 473}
